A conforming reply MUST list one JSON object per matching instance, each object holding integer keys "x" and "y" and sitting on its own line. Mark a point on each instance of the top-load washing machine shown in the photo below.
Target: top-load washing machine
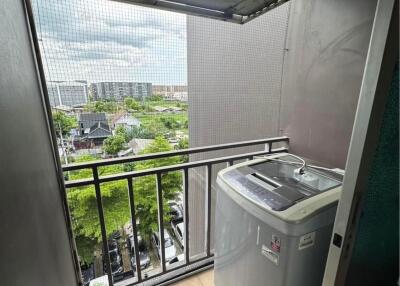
{"x": 274, "y": 220}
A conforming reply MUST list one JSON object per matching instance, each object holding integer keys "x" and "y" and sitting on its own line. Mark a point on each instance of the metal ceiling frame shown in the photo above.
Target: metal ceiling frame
{"x": 228, "y": 15}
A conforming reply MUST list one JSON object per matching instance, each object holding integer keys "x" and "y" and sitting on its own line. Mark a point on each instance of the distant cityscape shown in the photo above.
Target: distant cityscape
{"x": 78, "y": 93}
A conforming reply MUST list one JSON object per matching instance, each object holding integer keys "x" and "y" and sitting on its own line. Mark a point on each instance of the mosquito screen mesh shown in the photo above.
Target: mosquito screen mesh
{"x": 126, "y": 80}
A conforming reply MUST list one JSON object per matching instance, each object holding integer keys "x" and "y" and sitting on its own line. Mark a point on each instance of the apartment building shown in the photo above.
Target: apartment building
{"x": 119, "y": 90}
{"x": 67, "y": 93}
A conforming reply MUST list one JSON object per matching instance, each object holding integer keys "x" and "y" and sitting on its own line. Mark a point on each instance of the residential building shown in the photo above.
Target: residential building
{"x": 162, "y": 89}
{"x": 125, "y": 120}
{"x": 93, "y": 128}
{"x": 180, "y": 96}
{"x": 119, "y": 90}
{"x": 171, "y": 92}
{"x": 67, "y": 93}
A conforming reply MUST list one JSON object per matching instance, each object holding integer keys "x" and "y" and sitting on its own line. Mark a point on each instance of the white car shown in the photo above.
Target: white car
{"x": 179, "y": 230}
{"x": 170, "y": 250}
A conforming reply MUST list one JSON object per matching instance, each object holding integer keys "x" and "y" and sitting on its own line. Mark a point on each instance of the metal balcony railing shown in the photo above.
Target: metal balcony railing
{"x": 97, "y": 180}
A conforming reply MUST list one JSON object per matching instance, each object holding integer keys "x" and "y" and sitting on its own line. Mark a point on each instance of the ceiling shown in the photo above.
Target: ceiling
{"x": 236, "y": 11}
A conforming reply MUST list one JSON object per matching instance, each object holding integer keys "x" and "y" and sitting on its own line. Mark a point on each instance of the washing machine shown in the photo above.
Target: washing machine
{"x": 273, "y": 222}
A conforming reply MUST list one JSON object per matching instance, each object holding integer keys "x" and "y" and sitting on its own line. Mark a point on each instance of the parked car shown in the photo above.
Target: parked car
{"x": 143, "y": 252}
{"x": 175, "y": 212}
{"x": 170, "y": 250}
{"x": 113, "y": 246}
{"x": 179, "y": 230}
{"x": 116, "y": 263}
{"x": 115, "y": 235}
{"x": 87, "y": 273}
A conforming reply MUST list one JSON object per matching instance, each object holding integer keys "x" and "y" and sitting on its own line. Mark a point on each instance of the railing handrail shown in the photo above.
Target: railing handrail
{"x": 97, "y": 180}
{"x": 169, "y": 168}
{"x": 135, "y": 158}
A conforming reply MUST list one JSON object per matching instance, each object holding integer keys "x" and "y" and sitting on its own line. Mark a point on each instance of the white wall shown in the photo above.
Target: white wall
{"x": 234, "y": 86}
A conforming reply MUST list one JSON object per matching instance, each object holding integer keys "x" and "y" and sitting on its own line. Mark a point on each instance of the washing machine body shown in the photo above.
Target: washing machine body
{"x": 273, "y": 228}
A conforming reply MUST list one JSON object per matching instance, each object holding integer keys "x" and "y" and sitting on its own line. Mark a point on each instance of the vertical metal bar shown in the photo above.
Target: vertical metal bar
{"x": 134, "y": 229}
{"x": 186, "y": 212}
{"x": 268, "y": 146}
{"x": 208, "y": 230}
{"x": 161, "y": 221}
{"x": 106, "y": 253}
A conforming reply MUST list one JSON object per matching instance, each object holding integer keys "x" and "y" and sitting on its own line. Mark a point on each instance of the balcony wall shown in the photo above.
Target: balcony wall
{"x": 325, "y": 55}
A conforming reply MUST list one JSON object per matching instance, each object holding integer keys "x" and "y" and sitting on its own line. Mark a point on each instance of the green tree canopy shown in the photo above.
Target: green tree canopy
{"x": 145, "y": 187}
{"x": 63, "y": 123}
{"x": 122, "y": 131}
{"x": 108, "y": 106}
{"x": 140, "y": 132}
{"x": 170, "y": 122}
{"x": 132, "y": 104}
{"x": 155, "y": 97}
{"x": 113, "y": 144}
{"x": 183, "y": 143}
{"x": 83, "y": 206}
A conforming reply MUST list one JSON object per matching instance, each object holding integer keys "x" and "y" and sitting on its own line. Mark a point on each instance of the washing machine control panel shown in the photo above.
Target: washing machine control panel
{"x": 276, "y": 185}
{"x": 257, "y": 192}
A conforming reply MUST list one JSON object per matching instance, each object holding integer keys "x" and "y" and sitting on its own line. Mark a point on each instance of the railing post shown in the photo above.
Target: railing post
{"x": 186, "y": 212}
{"x": 268, "y": 147}
{"x": 106, "y": 254}
{"x": 134, "y": 229}
{"x": 161, "y": 221}
{"x": 208, "y": 195}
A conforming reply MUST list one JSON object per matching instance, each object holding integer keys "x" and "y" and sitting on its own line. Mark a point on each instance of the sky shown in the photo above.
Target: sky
{"x": 102, "y": 40}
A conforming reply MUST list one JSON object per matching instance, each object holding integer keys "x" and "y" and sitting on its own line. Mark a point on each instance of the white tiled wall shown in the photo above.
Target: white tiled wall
{"x": 234, "y": 87}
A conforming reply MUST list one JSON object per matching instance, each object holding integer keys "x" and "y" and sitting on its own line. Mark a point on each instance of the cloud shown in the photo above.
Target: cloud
{"x": 107, "y": 40}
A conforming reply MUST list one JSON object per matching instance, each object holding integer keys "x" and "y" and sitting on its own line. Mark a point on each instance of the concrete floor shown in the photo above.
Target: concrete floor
{"x": 205, "y": 278}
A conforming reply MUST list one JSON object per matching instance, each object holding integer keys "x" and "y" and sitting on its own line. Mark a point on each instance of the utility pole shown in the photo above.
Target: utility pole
{"x": 62, "y": 145}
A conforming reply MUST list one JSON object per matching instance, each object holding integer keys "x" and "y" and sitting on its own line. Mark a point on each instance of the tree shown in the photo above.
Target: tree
{"x": 183, "y": 144}
{"x": 102, "y": 106}
{"x": 121, "y": 131}
{"x": 155, "y": 97}
{"x": 83, "y": 206}
{"x": 145, "y": 187}
{"x": 140, "y": 132}
{"x": 170, "y": 123}
{"x": 132, "y": 104}
{"x": 63, "y": 123}
{"x": 113, "y": 144}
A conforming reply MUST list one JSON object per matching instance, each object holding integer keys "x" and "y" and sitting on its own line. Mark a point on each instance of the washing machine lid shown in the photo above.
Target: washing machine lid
{"x": 274, "y": 184}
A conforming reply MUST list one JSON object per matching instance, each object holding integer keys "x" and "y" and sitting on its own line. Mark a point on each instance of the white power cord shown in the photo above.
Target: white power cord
{"x": 304, "y": 165}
